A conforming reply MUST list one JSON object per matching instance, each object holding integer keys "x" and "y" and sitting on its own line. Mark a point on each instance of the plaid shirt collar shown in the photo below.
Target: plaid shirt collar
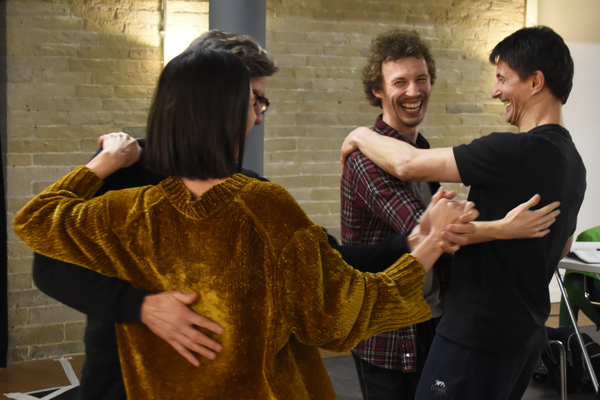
{"x": 383, "y": 128}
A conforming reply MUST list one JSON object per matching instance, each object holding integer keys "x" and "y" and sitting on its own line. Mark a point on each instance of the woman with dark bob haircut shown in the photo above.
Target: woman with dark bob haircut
{"x": 193, "y": 114}
{"x": 264, "y": 271}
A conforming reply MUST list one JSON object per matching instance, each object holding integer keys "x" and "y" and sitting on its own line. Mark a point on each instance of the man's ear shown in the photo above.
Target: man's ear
{"x": 377, "y": 93}
{"x": 538, "y": 82}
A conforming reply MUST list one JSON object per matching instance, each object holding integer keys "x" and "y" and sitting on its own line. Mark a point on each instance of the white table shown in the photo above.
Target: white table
{"x": 576, "y": 265}
{"x": 572, "y": 263}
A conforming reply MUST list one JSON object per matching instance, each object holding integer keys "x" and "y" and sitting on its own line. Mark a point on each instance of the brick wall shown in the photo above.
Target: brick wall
{"x": 76, "y": 71}
{"x": 317, "y": 96}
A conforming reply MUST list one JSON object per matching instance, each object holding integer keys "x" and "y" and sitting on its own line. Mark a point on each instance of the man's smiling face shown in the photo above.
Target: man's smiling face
{"x": 513, "y": 92}
{"x": 404, "y": 93}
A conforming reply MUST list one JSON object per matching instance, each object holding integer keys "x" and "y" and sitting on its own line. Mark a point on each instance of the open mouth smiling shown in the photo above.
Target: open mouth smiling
{"x": 412, "y": 106}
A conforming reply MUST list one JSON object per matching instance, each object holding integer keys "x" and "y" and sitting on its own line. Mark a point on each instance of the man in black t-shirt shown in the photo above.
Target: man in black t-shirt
{"x": 492, "y": 331}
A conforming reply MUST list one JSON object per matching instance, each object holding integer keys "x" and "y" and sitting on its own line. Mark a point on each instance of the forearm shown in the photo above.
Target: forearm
{"x": 384, "y": 307}
{"x": 403, "y": 160}
{"x": 109, "y": 299}
{"x": 64, "y": 223}
{"x": 103, "y": 164}
{"x": 391, "y": 155}
{"x": 333, "y": 305}
{"x": 428, "y": 250}
{"x": 119, "y": 150}
{"x": 375, "y": 257}
{"x": 519, "y": 223}
{"x": 486, "y": 231}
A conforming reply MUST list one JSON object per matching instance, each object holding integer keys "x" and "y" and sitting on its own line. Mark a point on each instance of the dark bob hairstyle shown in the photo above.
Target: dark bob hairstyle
{"x": 197, "y": 122}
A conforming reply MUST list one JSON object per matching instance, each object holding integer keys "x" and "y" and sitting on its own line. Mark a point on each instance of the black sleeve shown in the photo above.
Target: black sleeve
{"x": 251, "y": 174}
{"x": 373, "y": 257}
{"x": 109, "y": 299}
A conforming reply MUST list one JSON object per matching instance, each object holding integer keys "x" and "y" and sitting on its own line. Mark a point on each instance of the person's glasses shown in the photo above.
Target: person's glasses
{"x": 264, "y": 102}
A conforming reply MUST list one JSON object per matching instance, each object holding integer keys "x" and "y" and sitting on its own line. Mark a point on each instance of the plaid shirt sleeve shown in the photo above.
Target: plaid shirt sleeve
{"x": 389, "y": 198}
{"x": 365, "y": 187}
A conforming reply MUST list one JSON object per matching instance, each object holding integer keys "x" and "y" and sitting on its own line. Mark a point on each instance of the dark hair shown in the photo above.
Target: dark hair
{"x": 252, "y": 54}
{"x": 538, "y": 48}
{"x": 391, "y": 46}
{"x": 197, "y": 121}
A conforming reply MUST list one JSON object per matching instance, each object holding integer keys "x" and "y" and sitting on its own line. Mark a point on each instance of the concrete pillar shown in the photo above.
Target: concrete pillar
{"x": 246, "y": 17}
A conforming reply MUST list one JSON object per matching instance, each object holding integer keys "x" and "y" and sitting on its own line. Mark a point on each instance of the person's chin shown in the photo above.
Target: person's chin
{"x": 412, "y": 121}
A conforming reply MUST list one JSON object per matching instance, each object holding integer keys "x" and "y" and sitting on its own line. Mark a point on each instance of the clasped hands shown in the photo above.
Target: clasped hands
{"x": 168, "y": 314}
{"x": 448, "y": 220}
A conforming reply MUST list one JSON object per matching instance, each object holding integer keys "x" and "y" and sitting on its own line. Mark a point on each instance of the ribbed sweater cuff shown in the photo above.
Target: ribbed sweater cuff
{"x": 82, "y": 181}
{"x": 408, "y": 273}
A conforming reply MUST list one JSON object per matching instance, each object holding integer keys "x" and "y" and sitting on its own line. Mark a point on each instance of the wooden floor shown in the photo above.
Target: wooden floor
{"x": 582, "y": 320}
{"x": 40, "y": 374}
{"x": 35, "y": 375}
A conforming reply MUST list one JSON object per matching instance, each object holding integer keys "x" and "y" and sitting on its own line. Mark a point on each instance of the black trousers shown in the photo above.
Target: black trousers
{"x": 456, "y": 372}
{"x": 378, "y": 383}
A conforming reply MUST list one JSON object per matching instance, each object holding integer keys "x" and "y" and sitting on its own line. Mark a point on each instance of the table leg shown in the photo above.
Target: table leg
{"x": 563, "y": 367}
{"x": 586, "y": 357}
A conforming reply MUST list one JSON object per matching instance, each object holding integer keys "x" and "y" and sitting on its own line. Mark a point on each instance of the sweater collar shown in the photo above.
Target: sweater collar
{"x": 214, "y": 199}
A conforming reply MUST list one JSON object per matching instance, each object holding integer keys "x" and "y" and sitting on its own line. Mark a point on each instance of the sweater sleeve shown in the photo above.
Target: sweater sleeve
{"x": 96, "y": 295}
{"x": 334, "y": 306}
{"x": 65, "y": 223}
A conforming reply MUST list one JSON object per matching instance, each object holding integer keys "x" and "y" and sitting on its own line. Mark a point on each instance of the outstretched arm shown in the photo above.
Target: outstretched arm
{"x": 402, "y": 160}
{"x": 519, "y": 223}
{"x": 114, "y": 300}
{"x": 373, "y": 257}
{"x": 409, "y": 163}
{"x": 336, "y": 307}
{"x": 108, "y": 299}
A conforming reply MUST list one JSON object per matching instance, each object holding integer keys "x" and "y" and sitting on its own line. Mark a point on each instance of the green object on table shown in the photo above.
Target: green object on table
{"x": 574, "y": 286}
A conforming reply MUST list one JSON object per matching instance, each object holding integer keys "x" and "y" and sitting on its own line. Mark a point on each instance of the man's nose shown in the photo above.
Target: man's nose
{"x": 412, "y": 89}
{"x": 495, "y": 91}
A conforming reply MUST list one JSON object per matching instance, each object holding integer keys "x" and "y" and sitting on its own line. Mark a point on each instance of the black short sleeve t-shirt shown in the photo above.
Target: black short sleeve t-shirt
{"x": 498, "y": 298}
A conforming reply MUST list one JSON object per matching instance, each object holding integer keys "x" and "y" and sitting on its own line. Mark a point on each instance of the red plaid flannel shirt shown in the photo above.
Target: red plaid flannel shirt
{"x": 374, "y": 205}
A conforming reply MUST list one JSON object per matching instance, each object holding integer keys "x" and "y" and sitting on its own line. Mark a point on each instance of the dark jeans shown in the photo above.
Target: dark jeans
{"x": 456, "y": 372}
{"x": 378, "y": 383}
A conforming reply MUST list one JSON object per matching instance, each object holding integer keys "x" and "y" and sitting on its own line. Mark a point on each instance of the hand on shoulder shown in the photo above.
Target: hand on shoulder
{"x": 118, "y": 150}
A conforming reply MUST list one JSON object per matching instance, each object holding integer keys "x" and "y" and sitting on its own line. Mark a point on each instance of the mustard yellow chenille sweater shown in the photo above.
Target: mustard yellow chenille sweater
{"x": 264, "y": 272}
